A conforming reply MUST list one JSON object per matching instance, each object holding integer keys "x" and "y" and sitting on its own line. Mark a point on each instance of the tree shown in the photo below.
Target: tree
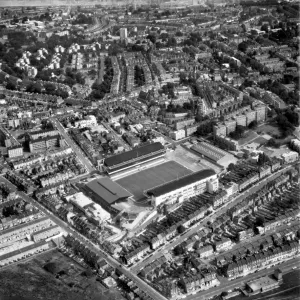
{"x": 230, "y": 167}
{"x": 272, "y": 143}
{"x": 265, "y": 28}
{"x": 260, "y": 221}
{"x": 11, "y": 85}
{"x": 152, "y": 38}
{"x": 253, "y": 124}
{"x": 178, "y": 250}
{"x": 52, "y": 268}
{"x": 181, "y": 229}
{"x": 171, "y": 42}
{"x": 34, "y": 87}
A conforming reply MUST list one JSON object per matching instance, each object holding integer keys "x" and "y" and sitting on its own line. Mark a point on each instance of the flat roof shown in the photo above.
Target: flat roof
{"x": 24, "y": 225}
{"x": 108, "y": 190}
{"x": 19, "y": 251}
{"x": 45, "y": 230}
{"x": 180, "y": 182}
{"x": 132, "y": 154}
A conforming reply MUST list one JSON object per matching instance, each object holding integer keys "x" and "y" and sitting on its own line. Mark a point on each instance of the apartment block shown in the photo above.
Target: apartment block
{"x": 230, "y": 126}
{"x": 241, "y": 120}
{"x": 219, "y": 129}
{"x": 251, "y": 116}
{"x": 15, "y": 151}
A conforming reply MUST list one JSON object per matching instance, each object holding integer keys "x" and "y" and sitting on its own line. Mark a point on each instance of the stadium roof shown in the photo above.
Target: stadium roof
{"x": 180, "y": 182}
{"x": 132, "y": 154}
{"x": 108, "y": 190}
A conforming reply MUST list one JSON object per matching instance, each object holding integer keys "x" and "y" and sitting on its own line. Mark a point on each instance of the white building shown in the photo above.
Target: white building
{"x": 183, "y": 188}
{"x": 177, "y": 135}
{"x": 89, "y": 207}
{"x": 88, "y": 121}
{"x": 290, "y": 156}
{"x": 123, "y": 34}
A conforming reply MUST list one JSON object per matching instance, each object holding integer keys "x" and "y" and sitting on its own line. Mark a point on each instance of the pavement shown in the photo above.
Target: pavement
{"x": 198, "y": 226}
{"x": 113, "y": 262}
{"x": 85, "y": 161}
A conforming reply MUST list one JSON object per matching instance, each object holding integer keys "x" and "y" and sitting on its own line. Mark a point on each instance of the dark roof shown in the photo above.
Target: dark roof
{"x": 181, "y": 182}
{"x": 133, "y": 154}
{"x": 107, "y": 190}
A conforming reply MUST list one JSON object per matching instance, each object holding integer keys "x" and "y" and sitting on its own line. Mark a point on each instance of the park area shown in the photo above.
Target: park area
{"x": 137, "y": 183}
{"x": 66, "y": 280}
{"x": 270, "y": 129}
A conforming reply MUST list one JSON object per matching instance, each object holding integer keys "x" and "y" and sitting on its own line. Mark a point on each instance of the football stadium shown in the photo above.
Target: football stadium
{"x": 144, "y": 180}
{"x": 144, "y": 175}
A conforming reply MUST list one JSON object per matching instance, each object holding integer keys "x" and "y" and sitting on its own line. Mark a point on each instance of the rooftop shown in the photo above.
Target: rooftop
{"x": 180, "y": 182}
{"x": 133, "y": 154}
{"x": 108, "y": 190}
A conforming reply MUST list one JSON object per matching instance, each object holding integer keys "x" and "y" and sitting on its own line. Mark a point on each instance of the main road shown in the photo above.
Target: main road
{"x": 113, "y": 262}
{"x": 218, "y": 212}
{"x": 86, "y": 162}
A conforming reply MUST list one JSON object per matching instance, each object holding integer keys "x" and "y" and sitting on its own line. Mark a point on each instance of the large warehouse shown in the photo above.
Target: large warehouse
{"x": 184, "y": 187}
{"x": 132, "y": 159}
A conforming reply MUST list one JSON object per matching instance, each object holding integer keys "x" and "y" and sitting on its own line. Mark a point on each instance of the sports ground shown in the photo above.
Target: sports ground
{"x": 137, "y": 183}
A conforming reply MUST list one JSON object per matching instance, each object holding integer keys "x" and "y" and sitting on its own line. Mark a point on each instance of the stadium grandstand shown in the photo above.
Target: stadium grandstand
{"x": 134, "y": 159}
{"x": 214, "y": 154}
{"x": 106, "y": 192}
{"x": 184, "y": 187}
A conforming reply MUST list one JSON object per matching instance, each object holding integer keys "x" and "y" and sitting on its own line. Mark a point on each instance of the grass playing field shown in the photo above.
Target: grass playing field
{"x": 139, "y": 182}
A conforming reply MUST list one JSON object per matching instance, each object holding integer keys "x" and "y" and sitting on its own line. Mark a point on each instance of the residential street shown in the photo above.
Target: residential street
{"x": 73, "y": 145}
{"x": 139, "y": 282}
{"x": 198, "y": 226}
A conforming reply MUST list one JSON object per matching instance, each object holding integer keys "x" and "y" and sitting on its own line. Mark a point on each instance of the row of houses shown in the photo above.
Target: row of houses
{"x": 157, "y": 238}
{"x": 245, "y": 173}
{"x": 9, "y": 258}
{"x": 20, "y": 232}
{"x": 21, "y": 218}
{"x": 262, "y": 260}
{"x": 198, "y": 281}
{"x": 20, "y": 181}
{"x": 262, "y": 244}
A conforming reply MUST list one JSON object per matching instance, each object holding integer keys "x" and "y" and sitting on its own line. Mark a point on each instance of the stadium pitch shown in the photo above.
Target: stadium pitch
{"x": 137, "y": 183}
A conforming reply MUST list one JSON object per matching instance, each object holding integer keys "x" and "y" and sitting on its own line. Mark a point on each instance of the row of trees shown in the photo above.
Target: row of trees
{"x": 99, "y": 90}
{"x": 168, "y": 89}
{"x": 83, "y": 19}
{"x": 206, "y": 127}
{"x": 287, "y": 120}
{"x": 279, "y": 89}
{"x": 139, "y": 76}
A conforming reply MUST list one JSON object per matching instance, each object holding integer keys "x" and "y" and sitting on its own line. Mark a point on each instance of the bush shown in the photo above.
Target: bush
{"x": 52, "y": 268}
